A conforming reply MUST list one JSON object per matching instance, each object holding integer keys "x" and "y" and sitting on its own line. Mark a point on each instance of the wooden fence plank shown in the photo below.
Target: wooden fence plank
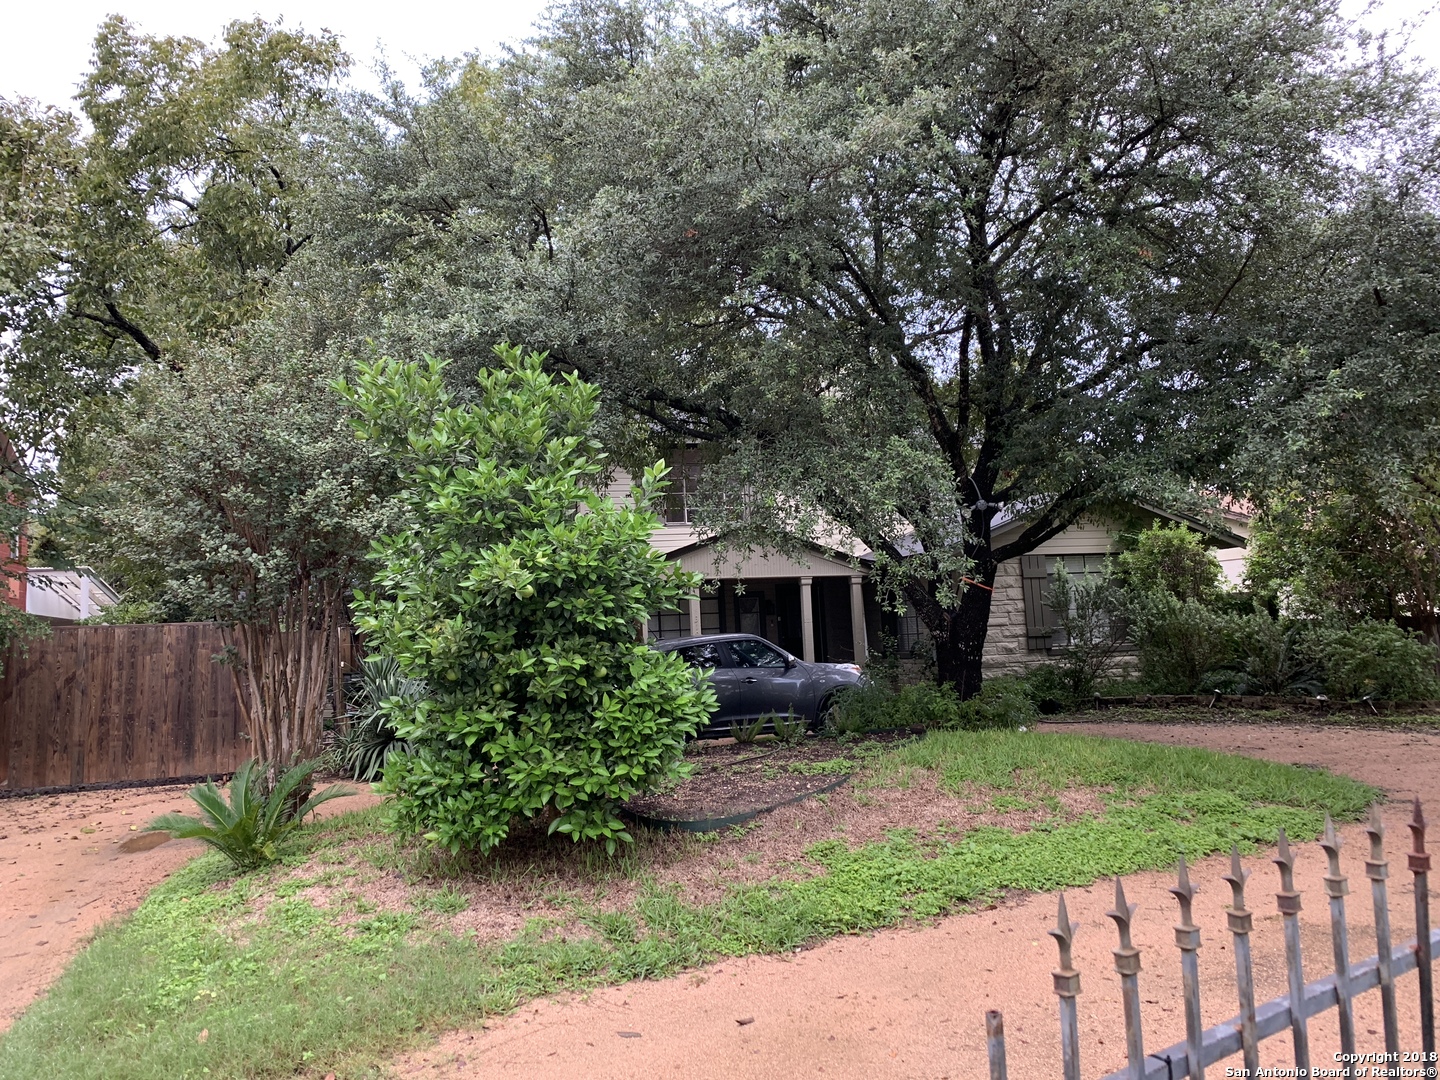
{"x": 104, "y": 704}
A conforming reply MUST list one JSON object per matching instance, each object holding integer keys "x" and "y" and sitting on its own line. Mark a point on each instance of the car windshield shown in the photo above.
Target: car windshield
{"x": 702, "y": 656}
{"x": 756, "y": 654}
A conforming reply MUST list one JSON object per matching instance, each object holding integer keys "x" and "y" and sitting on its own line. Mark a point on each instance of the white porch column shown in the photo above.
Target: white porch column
{"x": 86, "y": 607}
{"x": 857, "y": 619}
{"x": 695, "y": 627}
{"x": 807, "y": 621}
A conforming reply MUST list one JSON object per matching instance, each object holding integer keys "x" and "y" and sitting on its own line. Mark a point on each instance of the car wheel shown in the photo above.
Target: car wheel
{"x": 826, "y": 711}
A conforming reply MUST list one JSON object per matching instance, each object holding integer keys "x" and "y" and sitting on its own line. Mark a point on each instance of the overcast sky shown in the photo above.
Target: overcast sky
{"x": 45, "y": 47}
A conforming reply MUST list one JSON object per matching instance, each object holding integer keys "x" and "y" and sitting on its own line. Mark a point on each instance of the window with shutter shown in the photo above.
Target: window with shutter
{"x": 1040, "y": 621}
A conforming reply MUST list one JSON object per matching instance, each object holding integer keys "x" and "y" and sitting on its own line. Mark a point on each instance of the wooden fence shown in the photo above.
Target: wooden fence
{"x": 1291, "y": 1013}
{"x": 105, "y": 704}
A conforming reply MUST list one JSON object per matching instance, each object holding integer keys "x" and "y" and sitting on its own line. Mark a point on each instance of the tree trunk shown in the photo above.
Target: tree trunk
{"x": 959, "y": 651}
{"x": 281, "y": 671}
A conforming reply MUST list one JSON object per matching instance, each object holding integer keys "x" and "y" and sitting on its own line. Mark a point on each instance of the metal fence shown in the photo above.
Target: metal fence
{"x": 1291, "y": 1012}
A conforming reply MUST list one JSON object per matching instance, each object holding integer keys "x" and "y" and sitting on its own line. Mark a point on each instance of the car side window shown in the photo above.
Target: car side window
{"x": 703, "y": 656}
{"x": 756, "y": 654}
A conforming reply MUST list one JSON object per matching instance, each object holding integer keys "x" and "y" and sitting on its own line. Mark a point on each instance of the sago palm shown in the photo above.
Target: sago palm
{"x": 250, "y": 827}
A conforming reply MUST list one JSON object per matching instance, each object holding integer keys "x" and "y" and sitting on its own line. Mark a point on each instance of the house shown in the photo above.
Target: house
{"x": 66, "y": 596}
{"x": 820, "y": 604}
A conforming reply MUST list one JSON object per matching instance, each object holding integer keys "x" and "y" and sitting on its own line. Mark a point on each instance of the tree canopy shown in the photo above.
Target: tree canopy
{"x": 904, "y": 268}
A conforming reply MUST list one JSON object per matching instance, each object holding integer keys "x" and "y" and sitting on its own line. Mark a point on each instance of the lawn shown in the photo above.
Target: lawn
{"x": 359, "y": 944}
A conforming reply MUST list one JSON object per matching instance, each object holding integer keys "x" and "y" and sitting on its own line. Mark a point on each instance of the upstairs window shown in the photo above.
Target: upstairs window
{"x": 684, "y": 481}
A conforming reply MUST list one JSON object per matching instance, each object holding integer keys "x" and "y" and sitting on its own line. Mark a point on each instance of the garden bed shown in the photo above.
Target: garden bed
{"x": 732, "y": 782}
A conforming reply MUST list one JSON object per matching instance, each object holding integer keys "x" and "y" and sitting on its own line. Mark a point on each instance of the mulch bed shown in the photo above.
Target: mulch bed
{"x": 730, "y": 778}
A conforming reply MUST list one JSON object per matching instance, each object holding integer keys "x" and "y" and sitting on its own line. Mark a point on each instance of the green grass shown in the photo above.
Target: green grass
{"x": 196, "y": 985}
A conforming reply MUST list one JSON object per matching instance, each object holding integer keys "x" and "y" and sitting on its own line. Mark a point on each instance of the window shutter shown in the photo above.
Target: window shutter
{"x": 1039, "y": 619}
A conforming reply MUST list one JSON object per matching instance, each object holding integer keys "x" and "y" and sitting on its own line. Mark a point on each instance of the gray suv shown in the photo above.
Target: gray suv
{"x": 753, "y": 678}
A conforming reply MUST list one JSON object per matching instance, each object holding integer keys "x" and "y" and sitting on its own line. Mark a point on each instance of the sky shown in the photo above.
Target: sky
{"x": 45, "y": 47}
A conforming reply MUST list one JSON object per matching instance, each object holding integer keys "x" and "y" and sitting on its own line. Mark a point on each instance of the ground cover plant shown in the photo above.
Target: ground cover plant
{"x": 361, "y": 942}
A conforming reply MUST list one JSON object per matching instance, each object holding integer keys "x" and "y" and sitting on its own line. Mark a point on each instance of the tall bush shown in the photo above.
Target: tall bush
{"x": 237, "y": 484}
{"x": 1180, "y": 642}
{"x": 515, "y": 592}
{"x": 1171, "y": 559}
{"x": 1373, "y": 659}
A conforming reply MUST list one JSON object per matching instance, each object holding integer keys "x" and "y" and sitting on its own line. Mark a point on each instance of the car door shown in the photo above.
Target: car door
{"x": 727, "y": 682}
{"x": 769, "y": 682}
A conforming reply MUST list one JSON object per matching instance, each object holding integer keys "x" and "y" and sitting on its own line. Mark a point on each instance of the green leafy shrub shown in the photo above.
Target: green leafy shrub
{"x": 1091, "y": 610}
{"x": 1180, "y": 642}
{"x": 1174, "y": 560}
{"x": 249, "y": 827}
{"x": 1372, "y": 659}
{"x": 928, "y": 705}
{"x": 857, "y": 709}
{"x": 745, "y": 732}
{"x": 1003, "y": 702}
{"x": 789, "y": 729}
{"x": 1050, "y": 688}
{"x": 370, "y": 740}
{"x": 876, "y": 707}
{"x": 514, "y": 592}
{"x": 1271, "y": 657}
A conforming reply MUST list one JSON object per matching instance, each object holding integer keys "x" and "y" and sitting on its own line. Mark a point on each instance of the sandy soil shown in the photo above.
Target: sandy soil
{"x": 69, "y": 863}
{"x": 910, "y": 1003}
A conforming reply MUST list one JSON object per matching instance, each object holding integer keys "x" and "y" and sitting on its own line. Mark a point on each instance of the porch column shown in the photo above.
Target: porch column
{"x": 695, "y": 628}
{"x": 807, "y": 621}
{"x": 857, "y": 619}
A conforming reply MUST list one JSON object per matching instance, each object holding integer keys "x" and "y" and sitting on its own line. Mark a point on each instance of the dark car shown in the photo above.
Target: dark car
{"x": 753, "y": 678}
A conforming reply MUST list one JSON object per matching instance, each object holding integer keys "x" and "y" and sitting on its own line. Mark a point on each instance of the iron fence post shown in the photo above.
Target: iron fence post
{"x": 995, "y": 1044}
{"x": 1241, "y": 923}
{"x": 1067, "y": 986}
{"x": 1377, "y": 870}
{"x": 1336, "y": 887}
{"x": 1187, "y": 937}
{"x": 1288, "y": 901}
{"x": 1127, "y": 963}
{"x": 1420, "y": 867}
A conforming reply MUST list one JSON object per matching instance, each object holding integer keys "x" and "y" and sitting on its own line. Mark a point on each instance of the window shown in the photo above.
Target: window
{"x": 703, "y": 656}
{"x": 1037, "y": 574}
{"x": 684, "y": 480}
{"x": 709, "y": 614}
{"x": 756, "y": 654}
{"x": 907, "y": 633}
{"x": 668, "y": 624}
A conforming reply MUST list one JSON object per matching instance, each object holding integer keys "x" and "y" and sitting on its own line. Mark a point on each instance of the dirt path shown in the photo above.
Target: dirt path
{"x": 910, "y": 1003}
{"x": 68, "y": 863}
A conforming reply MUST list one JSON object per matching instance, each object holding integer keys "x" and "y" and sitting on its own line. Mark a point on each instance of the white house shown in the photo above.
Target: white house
{"x": 820, "y": 604}
{"x": 66, "y": 596}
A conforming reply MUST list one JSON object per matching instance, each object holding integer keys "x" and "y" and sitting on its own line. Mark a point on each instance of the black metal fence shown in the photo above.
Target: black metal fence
{"x": 1290, "y": 1013}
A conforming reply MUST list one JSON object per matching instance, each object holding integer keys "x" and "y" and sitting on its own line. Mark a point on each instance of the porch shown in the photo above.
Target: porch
{"x": 813, "y": 606}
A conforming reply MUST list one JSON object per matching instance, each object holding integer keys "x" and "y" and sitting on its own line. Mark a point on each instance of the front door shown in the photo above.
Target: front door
{"x": 768, "y": 684}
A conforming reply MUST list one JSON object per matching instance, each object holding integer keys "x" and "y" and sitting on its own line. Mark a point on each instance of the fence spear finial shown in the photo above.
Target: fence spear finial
{"x": 1237, "y": 877}
{"x": 1375, "y": 829}
{"x": 1417, "y": 830}
{"x": 1184, "y": 892}
{"x": 1335, "y": 883}
{"x": 1285, "y": 860}
{"x": 1064, "y": 935}
{"x": 1122, "y": 913}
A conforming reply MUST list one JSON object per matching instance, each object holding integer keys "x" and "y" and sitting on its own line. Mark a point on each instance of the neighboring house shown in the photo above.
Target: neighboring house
{"x": 821, "y": 606}
{"x": 67, "y": 596}
{"x": 1023, "y": 626}
{"x": 14, "y": 546}
{"x": 13, "y": 585}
